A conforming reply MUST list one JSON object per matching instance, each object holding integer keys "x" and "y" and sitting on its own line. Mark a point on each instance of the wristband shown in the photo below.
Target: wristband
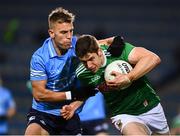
{"x": 68, "y": 95}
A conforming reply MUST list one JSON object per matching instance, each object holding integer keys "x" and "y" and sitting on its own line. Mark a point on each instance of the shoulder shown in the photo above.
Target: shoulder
{"x": 5, "y": 91}
{"x": 128, "y": 47}
{"x": 104, "y": 47}
{"x": 42, "y": 53}
{"x": 80, "y": 70}
{"x": 38, "y": 56}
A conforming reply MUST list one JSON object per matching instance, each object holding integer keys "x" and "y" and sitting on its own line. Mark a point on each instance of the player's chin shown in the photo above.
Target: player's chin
{"x": 68, "y": 46}
{"x": 93, "y": 70}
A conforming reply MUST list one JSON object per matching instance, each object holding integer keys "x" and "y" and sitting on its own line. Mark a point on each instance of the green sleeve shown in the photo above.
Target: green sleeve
{"x": 127, "y": 49}
{"x": 83, "y": 75}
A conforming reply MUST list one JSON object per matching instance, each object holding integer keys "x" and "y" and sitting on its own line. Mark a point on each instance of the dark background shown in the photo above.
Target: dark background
{"x": 153, "y": 24}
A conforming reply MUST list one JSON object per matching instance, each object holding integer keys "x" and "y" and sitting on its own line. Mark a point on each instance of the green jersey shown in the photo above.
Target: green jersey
{"x": 139, "y": 98}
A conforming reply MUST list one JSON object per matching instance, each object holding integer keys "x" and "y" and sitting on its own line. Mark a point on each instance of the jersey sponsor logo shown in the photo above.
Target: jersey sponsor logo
{"x": 95, "y": 78}
{"x": 107, "y": 53}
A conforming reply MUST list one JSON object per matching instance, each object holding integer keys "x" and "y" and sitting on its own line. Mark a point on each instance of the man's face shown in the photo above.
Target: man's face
{"x": 92, "y": 61}
{"x": 62, "y": 34}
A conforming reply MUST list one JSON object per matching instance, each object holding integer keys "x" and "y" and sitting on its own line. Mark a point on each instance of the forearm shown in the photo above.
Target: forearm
{"x": 144, "y": 65}
{"x": 49, "y": 96}
{"x": 40, "y": 93}
{"x": 76, "y": 104}
{"x": 106, "y": 41}
{"x": 11, "y": 112}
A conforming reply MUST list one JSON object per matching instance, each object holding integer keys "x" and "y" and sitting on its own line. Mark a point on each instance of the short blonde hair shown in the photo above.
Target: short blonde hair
{"x": 60, "y": 15}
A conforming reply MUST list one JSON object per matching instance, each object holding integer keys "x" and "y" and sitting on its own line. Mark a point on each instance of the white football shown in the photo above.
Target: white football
{"x": 120, "y": 66}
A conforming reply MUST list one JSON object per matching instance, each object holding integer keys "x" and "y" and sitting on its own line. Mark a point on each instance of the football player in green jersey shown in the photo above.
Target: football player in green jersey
{"x": 136, "y": 109}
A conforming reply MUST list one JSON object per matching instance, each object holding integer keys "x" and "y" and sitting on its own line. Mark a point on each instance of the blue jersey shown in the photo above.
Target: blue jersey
{"x": 59, "y": 71}
{"x": 93, "y": 108}
{"x": 6, "y": 102}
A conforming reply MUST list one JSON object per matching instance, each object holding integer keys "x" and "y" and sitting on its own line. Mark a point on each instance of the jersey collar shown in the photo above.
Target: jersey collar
{"x": 51, "y": 48}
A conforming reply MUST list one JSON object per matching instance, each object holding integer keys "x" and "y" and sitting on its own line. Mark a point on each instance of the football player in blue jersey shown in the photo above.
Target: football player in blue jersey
{"x": 52, "y": 75}
{"x": 7, "y": 108}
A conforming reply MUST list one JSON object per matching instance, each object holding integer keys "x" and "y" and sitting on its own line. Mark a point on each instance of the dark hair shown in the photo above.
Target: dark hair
{"x": 86, "y": 44}
{"x": 60, "y": 15}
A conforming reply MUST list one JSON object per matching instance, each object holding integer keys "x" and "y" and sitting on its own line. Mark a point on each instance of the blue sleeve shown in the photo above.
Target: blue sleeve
{"x": 37, "y": 68}
{"x": 9, "y": 101}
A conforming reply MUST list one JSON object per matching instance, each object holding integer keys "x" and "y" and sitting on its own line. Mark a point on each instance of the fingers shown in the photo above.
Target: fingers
{"x": 120, "y": 81}
{"x": 114, "y": 73}
{"x": 67, "y": 112}
{"x": 66, "y": 116}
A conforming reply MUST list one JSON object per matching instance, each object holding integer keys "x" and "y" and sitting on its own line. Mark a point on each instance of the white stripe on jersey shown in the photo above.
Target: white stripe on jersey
{"x": 80, "y": 69}
{"x": 37, "y": 74}
{"x": 36, "y": 71}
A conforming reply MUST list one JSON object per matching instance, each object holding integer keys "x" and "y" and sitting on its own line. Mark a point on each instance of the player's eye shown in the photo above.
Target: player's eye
{"x": 63, "y": 32}
{"x": 71, "y": 30}
{"x": 92, "y": 58}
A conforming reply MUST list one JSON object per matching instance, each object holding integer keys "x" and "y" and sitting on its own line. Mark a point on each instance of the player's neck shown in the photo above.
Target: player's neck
{"x": 59, "y": 50}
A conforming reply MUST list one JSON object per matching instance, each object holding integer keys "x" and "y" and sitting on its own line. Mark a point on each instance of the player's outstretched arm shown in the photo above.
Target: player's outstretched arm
{"x": 40, "y": 93}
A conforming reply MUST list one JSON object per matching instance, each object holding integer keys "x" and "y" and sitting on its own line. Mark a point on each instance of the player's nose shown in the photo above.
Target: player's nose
{"x": 89, "y": 65}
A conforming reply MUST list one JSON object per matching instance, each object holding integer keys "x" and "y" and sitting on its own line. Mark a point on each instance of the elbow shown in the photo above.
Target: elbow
{"x": 157, "y": 59}
{"x": 154, "y": 59}
{"x": 39, "y": 96}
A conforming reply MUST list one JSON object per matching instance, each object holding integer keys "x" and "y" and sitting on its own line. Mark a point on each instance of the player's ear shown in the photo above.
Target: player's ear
{"x": 100, "y": 53}
{"x": 51, "y": 33}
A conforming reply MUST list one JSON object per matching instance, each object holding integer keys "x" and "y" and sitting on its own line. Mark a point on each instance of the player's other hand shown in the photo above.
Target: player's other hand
{"x": 67, "y": 112}
{"x": 120, "y": 81}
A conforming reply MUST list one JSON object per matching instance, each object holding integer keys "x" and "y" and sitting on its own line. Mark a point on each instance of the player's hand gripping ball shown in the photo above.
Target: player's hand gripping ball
{"x": 120, "y": 66}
